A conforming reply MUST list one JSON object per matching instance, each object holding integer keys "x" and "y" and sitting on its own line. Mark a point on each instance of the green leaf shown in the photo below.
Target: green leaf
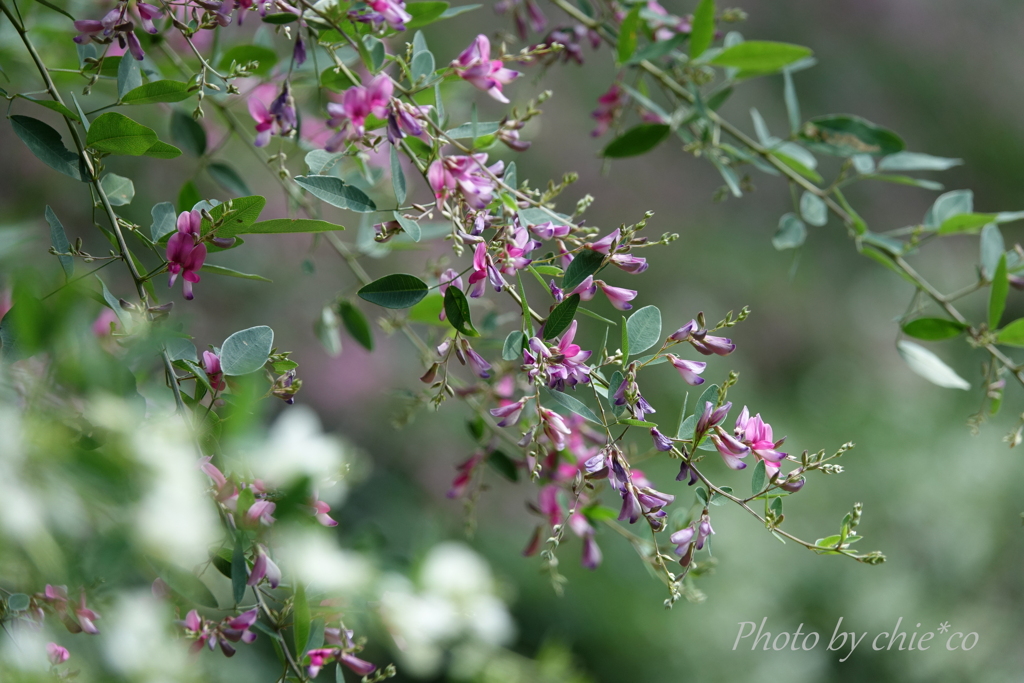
{"x": 46, "y": 144}
{"x": 1012, "y": 334}
{"x": 628, "y": 31}
{"x": 933, "y": 329}
{"x": 813, "y": 209}
{"x": 188, "y": 196}
{"x": 423, "y": 65}
{"x": 397, "y": 176}
{"x": 238, "y": 215}
{"x": 456, "y": 308}
{"x": 335, "y": 79}
{"x": 928, "y": 365}
{"x": 356, "y": 324}
{"x": 561, "y": 317}
{"x": 798, "y": 166}
{"x": 586, "y": 263}
{"x": 179, "y": 348}
{"x": 504, "y": 465}
{"x": 239, "y": 574}
{"x": 791, "y": 232}
{"x": 428, "y": 311}
{"x": 901, "y": 179}
{"x": 337, "y": 192}
{"x": 469, "y": 130}
{"x": 792, "y": 103}
{"x": 320, "y": 161}
{"x": 242, "y": 54}
{"x": 187, "y": 133}
{"x": 702, "y": 495}
{"x": 536, "y": 216}
{"x": 129, "y": 76}
{"x": 228, "y": 178}
{"x": 302, "y": 620}
{"x": 395, "y": 291}
{"x": 184, "y": 583}
{"x": 914, "y": 161}
{"x": 757, "y": 482}
{"x": 409, "y": 226}
{"x": 157, "y": 91}
{"x": 637, "y": 140}
{"x": 18, "y": 602}
{"x": 117, "y": 134}
{"x": 231, "y": 272}
{"x": 162, "y": 150}
{"x": 424, "y": 13}
{"x": 992, "y": 247}
{"x": 246, "y": 351}
{"x": 757, "y": 57}
{"x": 120, "y": 191}
{"x": 81, "y": 114}
{"x": 637, "y": 423}
{"x": 53, "y": 105}
{"x": 456, "y": 11}
{"x": 325, "y": 328}
{"x": 625, "y": 339}
{"x": 703, "y": 31}
{"x": 997, "y": 297}
{"x": 846, "y": 136}
{"x": 948, "y": 205}
{"x": 570, "y": 403}
{"x": 643, "y": 329}
{"x": 512, "y": 349}
{"x": 377, "y": 52}
{"x": 972, "y": 222}
{"x": 59, "y": 240}
{"x": 280, "y": 18}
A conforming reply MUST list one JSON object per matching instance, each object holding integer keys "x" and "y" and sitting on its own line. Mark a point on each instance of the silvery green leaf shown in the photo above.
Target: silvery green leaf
{"x": 928, "y": 365}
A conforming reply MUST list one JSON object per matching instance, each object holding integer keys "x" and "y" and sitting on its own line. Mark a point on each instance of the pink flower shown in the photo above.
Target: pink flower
{"x": 554, "y": 427}
{"x": 608, "y": 107}
{"x": 185, "y": 252}
{"x": 320, "y": 511}
{"x": 211, "y": 363}
{"x": 756, "y": 434}
{"x": 476, "y": 66}
{"x": 318, "y": 659}
{"x": 467, "y": 175}
{"x": 393, "y": 12}
{"x": 57, "y": 654}
{"x": 357, "y": 103}
{"x": 559, "y": 366}
{"x": 360, "y": 666}
{"x": 105, "y": 323}
{"x": 261, "y": 512}
{"x": 86, "y": 616}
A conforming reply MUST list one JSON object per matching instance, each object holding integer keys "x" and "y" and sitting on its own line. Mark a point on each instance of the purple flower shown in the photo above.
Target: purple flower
{"x": 523, "y": 12}
{"x": 619, "y": 297}
{"x": 320, "y": 512}
{"x": 264, "y": 567}
{"x": 703, "y": 531}
{"x": 711, "y": 417}
{"x": 476, "y": 66}
{"x": 299, "y": 53}
{"x": 549, "y": 230}
{"x": 484, "y": 270}
{"x": 86, "y": 616}
{"x": 318, "y": 659}
{"x": 477, "y": 363}
{"x": 393, "y": 12}
{"x": 688, "y": 369}
{"x": 683, "y": 538}
{"x": 702, "y": 341}
{"x": 561, "y": 365}
{"x": 465, "y": 174}
{"x": 661, "y": 442}
{"x": 629, "y": 263}
{"x": 185, "y": 252}
{"x": 116, "y": 24}
{"x": 591, "y": 558}
{"x": 360, "y": 666}
{"x": 730, "y": 449}
{"x": 608, "y": 107}
{"x": 509, "y": 413}
{"x": 685, "y": 470}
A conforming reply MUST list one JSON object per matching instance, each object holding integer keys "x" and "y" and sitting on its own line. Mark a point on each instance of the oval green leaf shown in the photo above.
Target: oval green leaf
{"x": 117, "y": 134}
{"x": 246, "y": 351}
{"x": 561, "y": 317}
{"x": 400, "y": 290}
{"x": 637, "y": 140}
{"x": 933, "y": 329}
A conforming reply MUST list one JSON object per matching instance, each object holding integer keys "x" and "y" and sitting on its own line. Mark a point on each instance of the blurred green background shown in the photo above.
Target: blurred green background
{"x": 816, "y": 358}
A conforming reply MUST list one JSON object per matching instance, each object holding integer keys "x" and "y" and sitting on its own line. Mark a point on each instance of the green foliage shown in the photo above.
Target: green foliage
{"x": 337, "y": 192}
{"x": 933, "y": 329}
{"x": 561, "y": 317}
{"x": 157, "y": 91}
{"x": 47, "y": 145}
{"x": 456, "y": 308}
{"x": 399, "y": 290}
{"x": 759, "y": 57}
{"x": 637, "y": 140}
{"x": 356, "y": 324}
{"x": 246, "y": 351}
{"x": 643, "y": 329}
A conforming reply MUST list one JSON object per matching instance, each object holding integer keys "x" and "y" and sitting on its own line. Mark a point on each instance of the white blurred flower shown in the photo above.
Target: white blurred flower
{"x": 139, "y": 641}
{"x": 454, "y": 606}
{"x": 297, "y": 447}
{"x": 23, "y": 650}
{"x": 314, "y": 558}
{"x": 175, "y": 518}
{"x": 21, "y": 512}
